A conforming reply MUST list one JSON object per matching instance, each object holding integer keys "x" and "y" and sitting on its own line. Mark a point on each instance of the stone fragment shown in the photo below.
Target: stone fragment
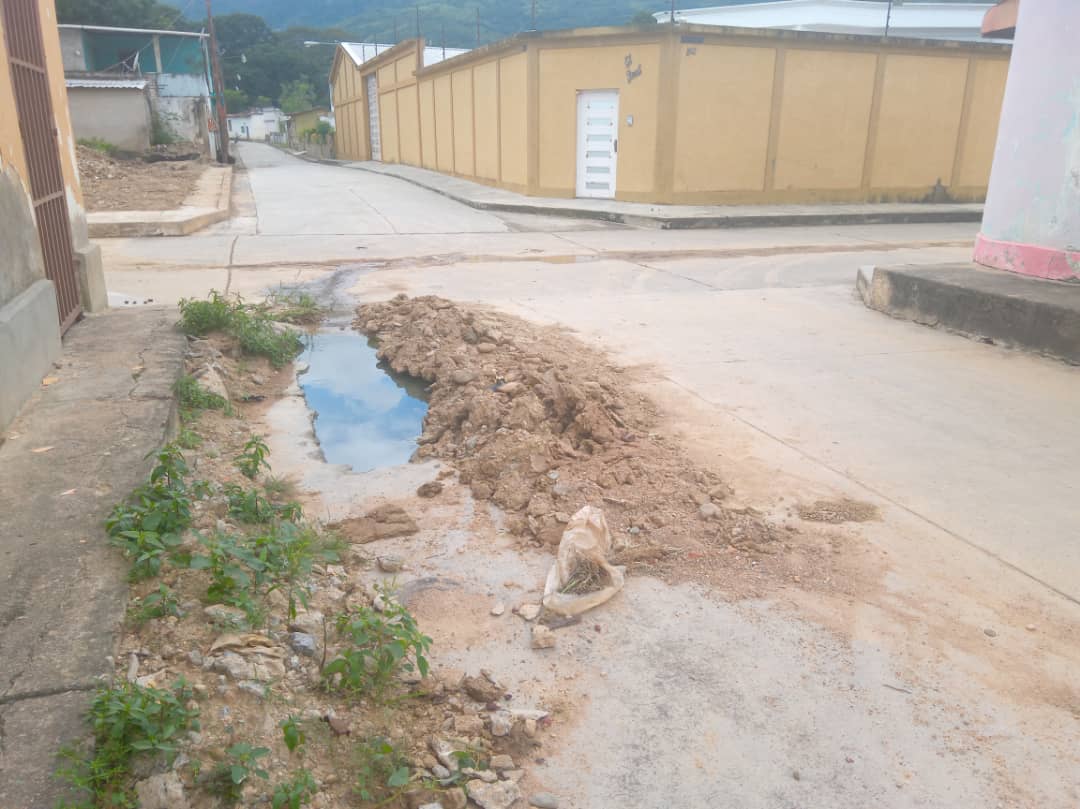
{"x": 542, "y": 637}
{"x": 391, "y": 563}
{"x": 462, "y": 376}
{"x": 430, "y": 489}
{"x": 223, "y": 614}
{"x": 500, "y": 795}
{"x": 303, "y": 643}
{"x": 162, "y": 791}
{"x": 468, "y": 724}
{"x": 498, "y": 609}
{"x": 709, "y": 511}
{"x": 528, "y": 611}
{"x": 501, "y": 762}
{"x": 482, "y": 690}
{"x": 502, "y": 722}
{"x": 543, "y": 800}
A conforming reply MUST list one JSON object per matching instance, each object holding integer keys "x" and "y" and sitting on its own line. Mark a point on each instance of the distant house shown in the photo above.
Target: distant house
{"x": 918, "y": 19}
{"x": 134, "y": 86}
{"x": 262, "y": 123}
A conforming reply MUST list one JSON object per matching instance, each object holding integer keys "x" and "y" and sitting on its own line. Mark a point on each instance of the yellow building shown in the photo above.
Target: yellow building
{"x": 49, "y": 272}
{"x": 686, "y": 114}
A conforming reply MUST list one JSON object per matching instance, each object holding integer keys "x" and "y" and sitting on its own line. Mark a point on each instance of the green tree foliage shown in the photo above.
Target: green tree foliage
{"x": 236, "y": 100}
{"x": 124, "y": 14}
{"x": 296, "y": 96}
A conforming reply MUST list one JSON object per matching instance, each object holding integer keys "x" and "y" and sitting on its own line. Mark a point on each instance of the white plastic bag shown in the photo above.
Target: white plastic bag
{"x": 583, "y": 552}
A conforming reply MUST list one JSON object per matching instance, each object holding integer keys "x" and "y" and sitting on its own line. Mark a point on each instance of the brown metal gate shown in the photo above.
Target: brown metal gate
{"x": 30, "y": 79}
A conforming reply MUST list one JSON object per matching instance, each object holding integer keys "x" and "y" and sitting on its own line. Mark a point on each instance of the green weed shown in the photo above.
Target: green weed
{"x": 253, "y": 458}
{"x": 377, "y": 646}
{"x": 294, "y": 793}
{"x": 99, "y": 145}
{"x": 188, "y": 439}
{"x": 297, "y": 307}
{"x": 193, "y": 396}
{"x": 227, "y": 779}
{"x": 381, "y": 770}
{"x": 127, "y": 720}
{"x": 293, "y": 734}
{"x": 160, "y": 603}
{"x": 252, "y": 327}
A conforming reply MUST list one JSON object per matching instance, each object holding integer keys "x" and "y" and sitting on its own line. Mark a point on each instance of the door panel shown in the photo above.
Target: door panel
{"x": 597, "y": 142}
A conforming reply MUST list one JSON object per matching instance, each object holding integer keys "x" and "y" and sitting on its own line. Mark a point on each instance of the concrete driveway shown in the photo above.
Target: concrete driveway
{"x": 769, "y": 369}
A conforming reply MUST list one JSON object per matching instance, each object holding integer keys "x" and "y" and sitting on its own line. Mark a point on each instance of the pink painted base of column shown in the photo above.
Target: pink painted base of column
{"x": 1028, "y": 259}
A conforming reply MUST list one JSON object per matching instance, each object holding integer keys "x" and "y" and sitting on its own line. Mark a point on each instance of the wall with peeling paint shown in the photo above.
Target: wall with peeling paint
{"x": 707, "y": 115}
{"x": 1031, "y": 223}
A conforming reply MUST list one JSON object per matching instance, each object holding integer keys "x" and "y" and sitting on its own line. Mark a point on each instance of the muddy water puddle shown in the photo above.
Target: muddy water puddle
{"x": 365, "y": 417}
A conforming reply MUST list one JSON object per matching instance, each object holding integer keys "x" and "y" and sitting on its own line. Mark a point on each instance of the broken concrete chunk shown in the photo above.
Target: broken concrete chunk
{"x": 468, "y": 724}
{"x": 303, "y": 643}
{"x": 482, "y": 690}
{"x": 502, "y": 762}
{"x": 500, "y": 795}
{"x": 462, "y": 376}
{"x": 528, "y": 611}
{"x": 163, "y": 791}
{"x": 502, "y": 722}
{"x": 543, "y": 800}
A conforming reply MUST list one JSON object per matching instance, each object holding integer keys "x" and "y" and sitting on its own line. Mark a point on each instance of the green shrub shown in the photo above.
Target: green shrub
{"x": 127, "y": 720}
{"x": 193, "y": 396}
{"x": 294, "y": 793}
{"x": 160, "y": 603}
{"x": 253, "y": 458}
{"x": 376, "y": 646}
{"x": 227, "y": 779}
{"x": 252, "y": 327}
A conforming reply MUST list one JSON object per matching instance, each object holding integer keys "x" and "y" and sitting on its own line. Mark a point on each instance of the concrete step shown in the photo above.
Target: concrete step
{"x": 984, "y": 304}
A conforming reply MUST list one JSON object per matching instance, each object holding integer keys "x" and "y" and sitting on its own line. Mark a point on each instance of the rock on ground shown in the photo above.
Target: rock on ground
{"x": 164, "y": 791}
{"x": 500, "y": 795}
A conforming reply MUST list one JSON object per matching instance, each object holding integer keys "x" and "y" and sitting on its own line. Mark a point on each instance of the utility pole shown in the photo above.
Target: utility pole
{"x": 533, "y": 26}
{"x": 395, "y": 29}
{"x": 219, "y": 90}
{"x": 478, "y": 26}
{"x": 417, "y": 21}
{"x": 673, "y": 13}
{"x": 444, "y": 40}
{"x": 888, "y": 18}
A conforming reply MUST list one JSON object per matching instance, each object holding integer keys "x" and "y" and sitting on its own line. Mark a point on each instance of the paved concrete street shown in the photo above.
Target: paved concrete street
{"x": 771, "y": 370}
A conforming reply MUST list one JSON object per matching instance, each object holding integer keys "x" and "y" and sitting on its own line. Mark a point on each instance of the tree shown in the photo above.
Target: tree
{"x": 236, "y": 100}
{"x": 643, "y": 18}
{"x": 124, "y": 14}
{"x": 237, "y": 33}
{"x": 296, "y": 95}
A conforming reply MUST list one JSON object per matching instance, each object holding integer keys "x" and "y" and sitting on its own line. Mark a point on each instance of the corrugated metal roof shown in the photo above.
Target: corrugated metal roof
{"x": 110, "y": 30}
{"x": 361, "y": 52}
{"x": 111, "y": 84}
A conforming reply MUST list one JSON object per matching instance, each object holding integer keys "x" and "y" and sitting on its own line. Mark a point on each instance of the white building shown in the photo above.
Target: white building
{"x": 910, "y": 18}
{"x": 263, "y": 123}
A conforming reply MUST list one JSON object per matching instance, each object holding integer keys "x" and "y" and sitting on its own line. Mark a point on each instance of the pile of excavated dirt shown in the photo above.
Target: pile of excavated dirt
{"x": 113, "y": 184}
{"x": 540, "y": 426}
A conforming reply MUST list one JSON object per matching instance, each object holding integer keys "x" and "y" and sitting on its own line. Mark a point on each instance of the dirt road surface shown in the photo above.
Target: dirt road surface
{"x": 932, "y": 662}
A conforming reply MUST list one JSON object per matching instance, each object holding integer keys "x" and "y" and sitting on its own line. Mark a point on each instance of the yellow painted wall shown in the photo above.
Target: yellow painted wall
{"x": 513, "y": 118}
{"x": 725, "y": 98}
{"x": 444, "y": 124}
{"x": 486, "y": 100}
{"x": 11, "y": 145}
{"x": 461, "y": 86}
{"x": 824, "y": 119}
{"x": 564, "y": 72}
{"x": 747, "y": 117}
{"x": 919, "y": 122}
{"x": 408, "y": 125}
{"x": 388, "y": 131}
{"x": 427, "y": 122}
{"x": 977, "y": 147}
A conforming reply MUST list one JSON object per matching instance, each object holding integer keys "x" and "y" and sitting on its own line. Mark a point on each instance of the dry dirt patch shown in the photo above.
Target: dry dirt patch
{"x": 131, "y": 184}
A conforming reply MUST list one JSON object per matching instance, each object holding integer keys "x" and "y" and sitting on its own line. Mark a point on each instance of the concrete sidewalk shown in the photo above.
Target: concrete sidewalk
{"x": 78, "y": 447}
{"x": 672, "y": 217}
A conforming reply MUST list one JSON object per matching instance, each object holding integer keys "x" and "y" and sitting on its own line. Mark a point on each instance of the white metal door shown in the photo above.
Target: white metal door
{"x": 597, "y": 142}
{"x": 373, "y": 117}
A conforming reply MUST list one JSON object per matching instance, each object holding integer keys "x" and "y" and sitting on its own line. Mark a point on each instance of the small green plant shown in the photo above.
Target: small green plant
{"x": 293, "y": 734}
{"x": 381, "y": 770}
{"x": 227, "y": 779}
{"x": 193, "y": 396}
{"x": 99, "y": 145}
{"x": 279, "y": 487}
{"x": 253, "y": 458}
{"x": 148, "y": 524}
{"x": 299, "y": 308}
{"x": 377, "y": 646}
{"x": 188, "y": 439}
{"x": 127, "y": 720}
{"x": 229, "y": 561}
{"x": 248, "y": 505}
{"x": 159, "y": 603}
{"x": 294, "y": 793}
{"x": 250, "y": 325}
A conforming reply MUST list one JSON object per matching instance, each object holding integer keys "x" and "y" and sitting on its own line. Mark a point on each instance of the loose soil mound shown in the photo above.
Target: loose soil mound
{"x": 540, "y": 426}
{"x": 111, "y": 184}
